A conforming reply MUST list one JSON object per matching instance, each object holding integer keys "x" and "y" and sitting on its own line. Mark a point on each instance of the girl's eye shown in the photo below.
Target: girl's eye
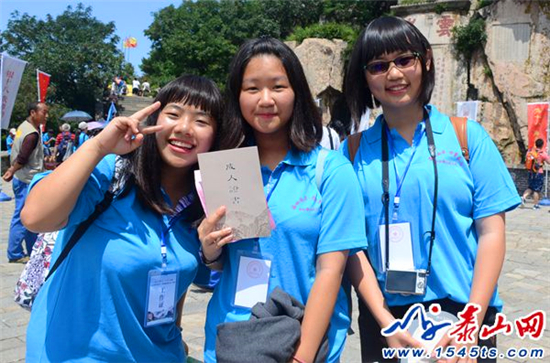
{"x": 250, "y": 89}
{"x": 279, "y": 86}
{"x": 172, "y": 115}
{"x": 203, "y": 122}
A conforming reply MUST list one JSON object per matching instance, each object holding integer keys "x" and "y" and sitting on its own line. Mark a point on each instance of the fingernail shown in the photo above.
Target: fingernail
{"x": 227, "y": 230}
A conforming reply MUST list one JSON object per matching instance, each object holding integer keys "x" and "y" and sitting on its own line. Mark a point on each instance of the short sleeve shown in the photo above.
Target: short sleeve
{"x": 93, "y": 192}
{"x": 494, "y": 190}
{"x": 342, "y": 214}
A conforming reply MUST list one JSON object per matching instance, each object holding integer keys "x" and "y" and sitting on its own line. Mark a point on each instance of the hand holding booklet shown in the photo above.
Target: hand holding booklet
{"x": 232, "y": 178}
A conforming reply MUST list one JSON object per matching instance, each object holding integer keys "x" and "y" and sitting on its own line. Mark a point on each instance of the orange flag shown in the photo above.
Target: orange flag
{"x": 130, "y": 42}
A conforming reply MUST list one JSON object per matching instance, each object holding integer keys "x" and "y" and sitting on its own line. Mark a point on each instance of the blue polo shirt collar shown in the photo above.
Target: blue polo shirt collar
{"x": 296, "y": 157}
{"x": 439, "y": 123}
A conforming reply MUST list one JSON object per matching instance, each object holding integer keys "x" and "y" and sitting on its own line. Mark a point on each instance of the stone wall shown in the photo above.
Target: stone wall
{"x": 323, "y": 64}
{"x": 513, "y": 70}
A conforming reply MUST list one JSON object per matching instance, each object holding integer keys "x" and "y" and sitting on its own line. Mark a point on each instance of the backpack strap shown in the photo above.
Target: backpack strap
{"x": 117, "y": 184}
{"x": 460, "y": 125}
{"x": 353, "y": 145}
{"x": 320, "y": 167}
{"x": 330, "y": 138}
{"x": 80, "y": 230}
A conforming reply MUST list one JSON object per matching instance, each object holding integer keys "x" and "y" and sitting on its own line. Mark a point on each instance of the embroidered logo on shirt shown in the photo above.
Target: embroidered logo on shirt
{"x": 307, "y": 204}
{"x": 449, "y": 157}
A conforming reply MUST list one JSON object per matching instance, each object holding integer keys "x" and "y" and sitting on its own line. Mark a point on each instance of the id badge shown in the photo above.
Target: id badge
{"x": 161, "y": 297}
{"x": 401, "y": 252}
{"x": 253, "y": 274}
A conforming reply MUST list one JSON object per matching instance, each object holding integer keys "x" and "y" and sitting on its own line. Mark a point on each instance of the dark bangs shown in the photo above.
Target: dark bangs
{"x": 146, "y": 162}
{"x": 383, "y": 35}
{"x": 192, "y": 90}
{"x": 390, "y": 34}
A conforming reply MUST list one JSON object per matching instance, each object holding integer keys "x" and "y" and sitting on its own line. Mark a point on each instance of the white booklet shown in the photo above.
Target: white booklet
{"x": 233, "y": 178}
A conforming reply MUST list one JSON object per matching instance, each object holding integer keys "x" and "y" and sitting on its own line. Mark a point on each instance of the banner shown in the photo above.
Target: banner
{"x": 467, "y": 109}
{"x": 42, "y": 82}
{"x": 537, "y": 123}
{"x": 11, "y": 71}
{"x": 111, "y": 113}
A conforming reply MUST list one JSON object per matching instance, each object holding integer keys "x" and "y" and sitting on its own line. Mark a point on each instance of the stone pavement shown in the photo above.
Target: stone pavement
{"x": 524, "y": 287}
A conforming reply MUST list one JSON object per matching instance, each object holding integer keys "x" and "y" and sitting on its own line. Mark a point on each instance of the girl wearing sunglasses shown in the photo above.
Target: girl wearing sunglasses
{"x": 444, "y": 215}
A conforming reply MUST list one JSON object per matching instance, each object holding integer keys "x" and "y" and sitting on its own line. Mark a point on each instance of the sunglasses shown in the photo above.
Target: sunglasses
{"x": 401, "y": 62}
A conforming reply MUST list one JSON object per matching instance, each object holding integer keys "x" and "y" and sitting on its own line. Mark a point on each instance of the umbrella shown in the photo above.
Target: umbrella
{"x": 76, "y": 116}
{"x": 96, "y": 125}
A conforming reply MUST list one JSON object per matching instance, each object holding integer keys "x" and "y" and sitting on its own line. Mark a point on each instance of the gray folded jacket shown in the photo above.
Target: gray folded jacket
{"x": 270, "y": 335}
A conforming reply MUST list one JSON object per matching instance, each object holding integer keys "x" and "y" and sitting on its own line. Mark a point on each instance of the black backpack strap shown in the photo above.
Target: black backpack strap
{"x": 80, "y": 230}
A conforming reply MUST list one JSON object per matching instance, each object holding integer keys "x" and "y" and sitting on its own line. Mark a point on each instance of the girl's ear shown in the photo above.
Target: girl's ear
{"x": 429, "y": 56}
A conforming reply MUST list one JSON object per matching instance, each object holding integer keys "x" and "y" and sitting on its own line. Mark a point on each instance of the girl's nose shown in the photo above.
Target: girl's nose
{"x": 266, "y": 97}
{"x": 184, "y": 125}
{"x": 394, "y": 72}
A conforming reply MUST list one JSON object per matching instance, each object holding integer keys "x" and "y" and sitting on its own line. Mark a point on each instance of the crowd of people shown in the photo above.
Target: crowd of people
{"x": 120, "y": 88}
{"x": 405, "y": 173}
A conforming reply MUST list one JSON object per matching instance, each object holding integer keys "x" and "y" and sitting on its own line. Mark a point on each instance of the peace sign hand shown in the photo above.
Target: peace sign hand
{"x": 125, "y": 134}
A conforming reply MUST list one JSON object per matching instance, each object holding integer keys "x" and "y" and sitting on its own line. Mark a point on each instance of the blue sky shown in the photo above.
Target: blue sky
{"x": 131, "y": 17}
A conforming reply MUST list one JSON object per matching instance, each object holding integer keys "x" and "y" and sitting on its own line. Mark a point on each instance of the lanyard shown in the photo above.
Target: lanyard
{"x": 386, "y": 187}
{"x": 399, "y": 181}
{"x": 184, "y": 202}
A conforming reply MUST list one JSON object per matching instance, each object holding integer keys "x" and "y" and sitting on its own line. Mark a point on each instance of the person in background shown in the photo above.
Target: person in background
{"x": 422, "y": 193}
{"x": 145, "y": 88}
{"x": 9, "y": 140}
{"x": 27, "y": 160}
{"x": 83, "y": 135}
{"x": 64, "y": 142}
{"x": 136, "y": 87}
{"x": 535, "y": 160}
{"x": 48, "y": 141}
{"x": 330, "y": 139}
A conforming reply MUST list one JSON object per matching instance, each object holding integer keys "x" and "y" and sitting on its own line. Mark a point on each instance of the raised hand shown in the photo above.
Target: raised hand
{"x": 213, "y": 240}
{"x": 125, "y": 134}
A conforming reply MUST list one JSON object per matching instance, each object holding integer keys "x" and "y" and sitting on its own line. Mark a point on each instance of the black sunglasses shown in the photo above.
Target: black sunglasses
{"x": 401, "y": 62}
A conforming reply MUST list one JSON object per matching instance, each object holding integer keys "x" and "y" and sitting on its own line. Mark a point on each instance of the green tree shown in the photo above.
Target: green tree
{"x": 201, "y": 36}
{"x": 79, "y": 51}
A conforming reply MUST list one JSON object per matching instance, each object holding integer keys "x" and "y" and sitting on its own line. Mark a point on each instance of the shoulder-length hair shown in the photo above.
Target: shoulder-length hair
{"x": 145, "y": 162}
{"x": 305, "y": 127}
{"x": 386, "y": 34}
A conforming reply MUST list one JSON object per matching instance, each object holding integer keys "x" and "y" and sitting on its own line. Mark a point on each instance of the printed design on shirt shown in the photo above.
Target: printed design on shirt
{"x": 449, "y": 157}
{"x": 307, "y": 204}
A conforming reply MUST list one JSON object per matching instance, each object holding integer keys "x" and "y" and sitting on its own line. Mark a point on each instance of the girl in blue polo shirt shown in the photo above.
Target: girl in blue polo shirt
{"x": 433, "y": 192}
{"x": 269, "y": 105}
{"x": 114, "y": 298}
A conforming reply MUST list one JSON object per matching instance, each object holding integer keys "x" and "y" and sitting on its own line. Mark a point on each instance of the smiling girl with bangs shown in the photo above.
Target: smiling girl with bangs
{"x": 113, "y": 299}
{"x": 452, "y": 208}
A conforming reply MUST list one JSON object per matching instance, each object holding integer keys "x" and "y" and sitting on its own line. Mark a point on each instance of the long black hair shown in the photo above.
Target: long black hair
{"x": 383, "y": 35}
{"x": 145, "y": 162}
{"x": 305, "y": 127}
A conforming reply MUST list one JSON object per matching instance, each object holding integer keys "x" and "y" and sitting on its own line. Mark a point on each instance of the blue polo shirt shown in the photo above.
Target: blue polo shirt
{"x": 92, "y": 309}
{"x": 82, "y": 138}
{"x": 467, "y": 192}
{"x": 309, "y": 222}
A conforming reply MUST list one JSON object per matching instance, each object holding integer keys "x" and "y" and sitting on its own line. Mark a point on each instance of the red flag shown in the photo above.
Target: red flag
{"x": 43, "y": 81}
{"x": 537, "y": 123}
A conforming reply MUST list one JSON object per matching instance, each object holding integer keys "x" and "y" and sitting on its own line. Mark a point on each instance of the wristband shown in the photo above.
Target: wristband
{"x": 206, "y": 261}
{"x": 296, "y": 359}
